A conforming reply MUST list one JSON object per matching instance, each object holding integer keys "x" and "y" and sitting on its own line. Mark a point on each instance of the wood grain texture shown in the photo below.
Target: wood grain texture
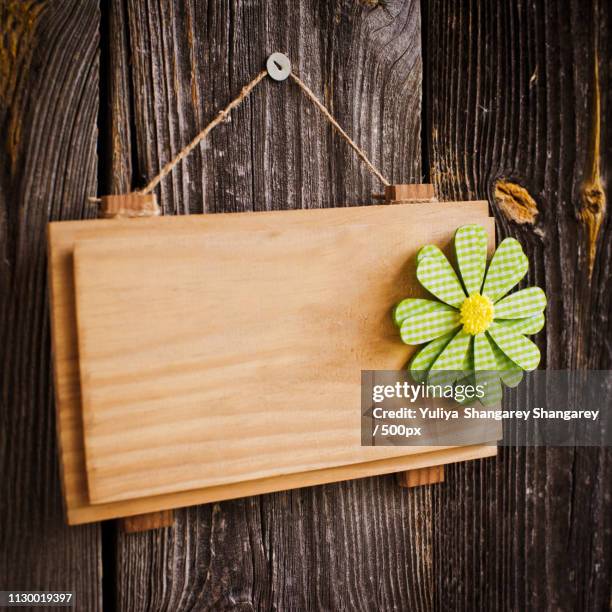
{"x": 62, "y": 238}
{"x": 254, "y": 380}
{"x": 347, "y": 545}
{"x": 133, "y": 205}
{"x": 515, "y": 108}
{"x": 517, "y": 100}
{"x": 48, "y": 115}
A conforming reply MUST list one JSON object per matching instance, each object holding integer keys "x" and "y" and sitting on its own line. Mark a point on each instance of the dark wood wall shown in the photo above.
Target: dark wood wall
{"x": 49, "y": 99}
{"x": 517, "y": 98}
{"x": 499, "y": 100}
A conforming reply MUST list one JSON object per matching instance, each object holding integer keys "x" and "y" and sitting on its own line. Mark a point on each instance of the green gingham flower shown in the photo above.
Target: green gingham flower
{"x": 473, "y": 334}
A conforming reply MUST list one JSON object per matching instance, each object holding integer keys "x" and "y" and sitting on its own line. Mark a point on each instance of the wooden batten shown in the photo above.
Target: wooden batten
{"x": 133, "y": 206}
{"x": 418, "y": 192}
{"x": 129, "y": 205}
{"x": 423, "y": 192}
{"x": 147, "y": 522}
{"x": 425, "y": 476}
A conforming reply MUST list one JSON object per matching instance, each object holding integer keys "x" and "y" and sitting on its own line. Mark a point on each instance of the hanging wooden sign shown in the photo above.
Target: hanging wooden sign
{"x": 208, "y": 357}
{"x": 212, "y": 356}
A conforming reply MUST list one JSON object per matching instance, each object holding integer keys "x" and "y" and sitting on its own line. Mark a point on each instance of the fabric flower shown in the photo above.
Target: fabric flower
{"x": 475, "y": 327}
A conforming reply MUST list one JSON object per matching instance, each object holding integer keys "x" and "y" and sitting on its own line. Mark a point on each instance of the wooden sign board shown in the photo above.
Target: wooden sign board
{"x": 207, "y": 357}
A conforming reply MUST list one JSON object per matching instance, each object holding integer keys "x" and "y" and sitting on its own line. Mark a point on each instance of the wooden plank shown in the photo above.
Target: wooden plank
{"x": 261, "y": 374}
{"x": 320, "y": 547}
{"x": 519, "y": 94}
{"x": 48, "y": 164}
{"x": 62, "y": 238}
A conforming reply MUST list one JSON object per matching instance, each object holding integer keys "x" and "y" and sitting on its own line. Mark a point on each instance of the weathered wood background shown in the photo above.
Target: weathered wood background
{"x": 501, "y": 100}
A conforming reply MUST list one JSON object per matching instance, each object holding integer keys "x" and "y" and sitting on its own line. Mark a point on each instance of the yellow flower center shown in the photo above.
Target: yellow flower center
{"x": 476, "y": 313}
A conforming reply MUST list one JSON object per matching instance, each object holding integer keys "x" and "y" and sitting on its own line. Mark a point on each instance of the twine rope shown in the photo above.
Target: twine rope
{"x": 360, "y": 153}
{"x": 220, "y": 118}
{"x": 223, "y": 116}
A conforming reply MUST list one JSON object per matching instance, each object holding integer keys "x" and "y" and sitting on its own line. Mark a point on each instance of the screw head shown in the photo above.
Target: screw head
{"x": 278, "y": 66}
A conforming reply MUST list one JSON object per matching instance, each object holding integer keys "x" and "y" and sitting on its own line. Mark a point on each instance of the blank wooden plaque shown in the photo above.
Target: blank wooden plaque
{"x": 220, "y": 355}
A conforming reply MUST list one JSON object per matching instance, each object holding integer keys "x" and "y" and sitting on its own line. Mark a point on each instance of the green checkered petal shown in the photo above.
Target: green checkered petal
{"x": 486, "y": 369}
{"x": 426, "y": 251}
{"x": 522, "y": 351}
{"x": 467, "y": 380}
{"x": 509, "y": 372}
{"x": 528, "y": 326}
{"x": 484, "y": 359}
{"x": 466, "y": 376}
{"x": 507, "y": 268}
{"x": 412, "y": 307}
{"x": 453, "y": 356}
{"x": 524, "y": 303}
{"x": 471, "y": 253}
{"x": 492, "y": 388}
{"x": 424, "y": 358}
{"x": 437, "y": 276}
{"x": 448, "y": 366}
{"x": 428, "y": 325}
